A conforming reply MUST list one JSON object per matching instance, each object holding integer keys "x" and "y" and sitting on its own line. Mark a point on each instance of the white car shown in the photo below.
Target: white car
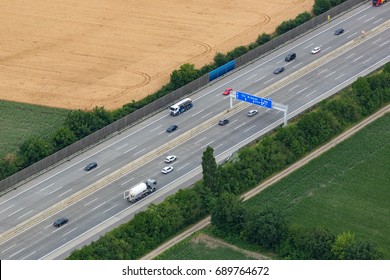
{"x": 170, "y": 158}
{"x": 252, "y": 113}
{"x": 167, "y": 169}
{"x": 315, "y": 50}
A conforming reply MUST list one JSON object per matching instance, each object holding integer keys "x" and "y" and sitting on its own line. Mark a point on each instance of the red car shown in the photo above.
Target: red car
{"x": 227, "y": 91}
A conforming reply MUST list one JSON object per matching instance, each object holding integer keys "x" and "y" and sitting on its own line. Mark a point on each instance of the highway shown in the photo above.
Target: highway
{"x": 93, "y": 201}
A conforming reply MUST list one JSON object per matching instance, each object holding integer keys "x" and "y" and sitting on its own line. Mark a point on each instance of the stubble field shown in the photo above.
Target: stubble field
{"x": 81, "y": 54}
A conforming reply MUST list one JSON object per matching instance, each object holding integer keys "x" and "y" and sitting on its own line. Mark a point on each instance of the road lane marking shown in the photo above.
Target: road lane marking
{"x": 156, "y": 128}
{"x": 130, "y": 149}
{"x": 8, "y": 248}
{"x": 200, "y": 140}
{"x": 101, "y": 204}
{"x": 198, "y": 112}
{"x": 377, "y": 21}
{"x": 15, "y": 212}
{"x": 56, "y": 190}
{"x": 140, "y": 151}
{"x": 308, "y": 46}
{"x": 376, "y": 41}
{"x": 356, "y": 59}
{"x": 103, "y": 171}
{"x": 269, "y": 81}
{"x": 250, "y": 77}
{"x": 47, "y": 187}
{"x": 249, "y": 128}
{"x": 185, "y": 165}
{"x": 206, "y": 115}
{"x": 7, "y": 208}
{"x": 208, "y": 144}
{"x": 294, "y": 87}
{"x": 127, "y": 181}
{"x": 322, "y": 71}
{"x": 17, "y": 252}
{"x": 297, "y": 65}
{"x": 260, "y": 79}
{"x": 122, "y": 146}
{"x": 301, "y": 90}
{"x": 28, "y": 255}
{"x": 381, "y": 45}
{"x": 24, "y": 214}
{"x": 109, "y": 208}
{"x": 90, "y": 202}
{"x": 69, "y": 231}
{"x": 361, "y": 17}
{"x": 352, "y": 35}
{"x": 349, "y": 56}
{"x": 339, "y": 76}
{"x": 364, "y": 62}
{"x": 237, "y": 127}
{"x": 369, "y": 19}
{"x": 330, "y": 74}
{"x": 65, "y": 192}
{"x": 218, "y": 146}
{"x": 311, "y": 92}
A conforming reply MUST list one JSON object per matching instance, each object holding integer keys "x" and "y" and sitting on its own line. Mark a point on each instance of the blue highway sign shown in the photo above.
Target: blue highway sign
{"x": 264, "y": 102}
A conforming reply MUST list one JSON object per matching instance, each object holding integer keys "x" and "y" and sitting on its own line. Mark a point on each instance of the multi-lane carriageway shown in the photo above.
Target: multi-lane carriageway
{"x": 94, "y": 202}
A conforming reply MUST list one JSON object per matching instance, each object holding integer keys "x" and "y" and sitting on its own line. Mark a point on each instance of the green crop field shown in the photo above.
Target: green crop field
{"x": 346, "y": 189}
{"x": 19, "y": 121}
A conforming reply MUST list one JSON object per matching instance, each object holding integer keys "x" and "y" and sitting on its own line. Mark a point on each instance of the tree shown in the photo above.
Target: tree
{"x": 34, "y": 149}
{"x": 266, "y": 228}
{"x": 312, "y": 244}
{"x": 209, "y": 166}
{"x": 187, "y": 73}
{"x": 321, "y": 6}
{"x": 367, "y": 98}
{"x": 63, "y": 137}
{"x": 263, "y": 38}
{"x": 220, "y": 59}
{"x": 346, "y": 247}
{"x": 228, "y": 214}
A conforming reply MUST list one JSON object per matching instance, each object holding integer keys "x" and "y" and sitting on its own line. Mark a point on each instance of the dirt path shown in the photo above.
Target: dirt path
{"x": 205, "y": 222}
{"x": 212, "y": 242}
{"x": 81, "y": 54}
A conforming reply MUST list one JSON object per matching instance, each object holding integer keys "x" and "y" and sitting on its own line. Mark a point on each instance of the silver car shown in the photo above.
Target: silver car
{"x": 167, "y": 169}
{"x": 252, "y": 113}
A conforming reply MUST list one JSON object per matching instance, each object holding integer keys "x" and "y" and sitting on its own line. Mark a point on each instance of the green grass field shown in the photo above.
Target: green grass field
{"x": 18, "y": 121}
{"x": 190, "y": 250}
{"x": 346, "y": 189}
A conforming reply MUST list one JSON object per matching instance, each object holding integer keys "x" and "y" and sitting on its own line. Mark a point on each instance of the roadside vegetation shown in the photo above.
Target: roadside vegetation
{"x": 334, "y": 207}
{"x": 217, "y": 192}
{"x": 41, "y": 138}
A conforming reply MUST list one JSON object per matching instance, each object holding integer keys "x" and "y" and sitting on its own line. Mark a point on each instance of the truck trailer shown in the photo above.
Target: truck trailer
{"x": 180, "y": 107}
{"x": 140, "y": 191}
{"x": 377, "y": 3}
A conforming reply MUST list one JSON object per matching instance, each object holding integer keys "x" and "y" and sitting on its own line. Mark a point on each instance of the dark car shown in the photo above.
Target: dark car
{"x": 223, "y": 122}
{"x": 339, "y": 31}
{"x": 60, "y": 222}
{"x": 278, "y": 70}
{"x": 90, "y": 166}
{"x": 290, "y": 56}
{"x": 172, "y": 128}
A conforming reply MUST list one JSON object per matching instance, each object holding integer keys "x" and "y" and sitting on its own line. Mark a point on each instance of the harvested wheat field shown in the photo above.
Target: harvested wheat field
{"x": 79, "y": 54}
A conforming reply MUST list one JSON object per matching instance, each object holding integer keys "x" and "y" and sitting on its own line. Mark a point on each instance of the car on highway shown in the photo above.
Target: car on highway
{"x": 290, "y": 56}
{"x": 167, "y": 169}
{"x": 316, "y": 50}
{"x": 279, "y": 70}
{"x": 170, "y": 158}
{"x": 223, "y": 122}
{"x": 90, "y": 166}
{"x": 60, "y": 222}
{"x": 172, "y": 128}
{"x": 251, "y": 113}
{"x": 227, "y": 91}
{"x": 338, "y": 31}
